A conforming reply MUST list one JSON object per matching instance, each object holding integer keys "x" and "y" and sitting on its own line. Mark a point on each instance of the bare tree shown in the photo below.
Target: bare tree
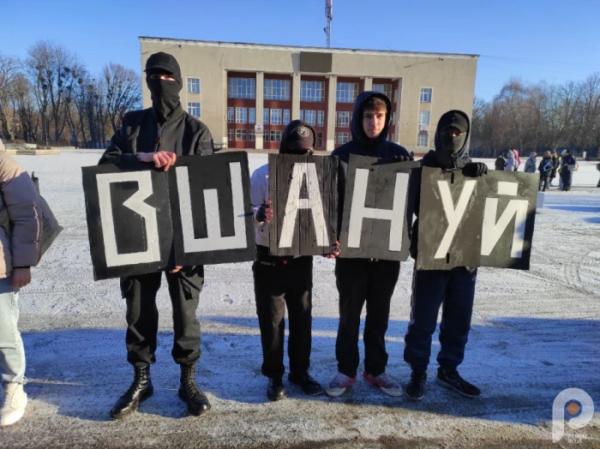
{"x": 122, "y": 92}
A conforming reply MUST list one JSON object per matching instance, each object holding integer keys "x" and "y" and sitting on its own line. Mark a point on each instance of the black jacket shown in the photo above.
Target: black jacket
{"x": 181, "y": 134}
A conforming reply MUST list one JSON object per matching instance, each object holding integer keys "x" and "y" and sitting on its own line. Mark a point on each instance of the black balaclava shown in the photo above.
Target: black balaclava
{"x": 165, "y": 94}
{"x": 297, "y": 138}
{"x": 450, "y": 151}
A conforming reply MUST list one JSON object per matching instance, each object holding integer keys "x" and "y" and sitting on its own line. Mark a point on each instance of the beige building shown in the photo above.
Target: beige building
{"x": 247, "y": 93}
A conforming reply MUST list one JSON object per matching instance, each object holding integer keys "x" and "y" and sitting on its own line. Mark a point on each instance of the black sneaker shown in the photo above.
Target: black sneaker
{"x": 307, "y": 384}
{"x": 415, "y": 389}
{"x": 450, "y": 379}
{"x": 275, "y": 390}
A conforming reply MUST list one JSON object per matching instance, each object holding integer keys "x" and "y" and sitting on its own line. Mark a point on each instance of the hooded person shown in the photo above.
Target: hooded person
{"x": 454, "y": 289}
{"x": 369, "y": 281}
{"x": 159, "y": 135}
{"x": 531, "y": 163}
{"x": 281, "y": 281}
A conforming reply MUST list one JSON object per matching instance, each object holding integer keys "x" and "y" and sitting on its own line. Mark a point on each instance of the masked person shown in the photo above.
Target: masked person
{"x": 455, "y": 288}
{"x": 365, "y": 280}
{"x": 159, "y": 135}
{"x": 19, "y": 245}
{"x": 281, "y": 281}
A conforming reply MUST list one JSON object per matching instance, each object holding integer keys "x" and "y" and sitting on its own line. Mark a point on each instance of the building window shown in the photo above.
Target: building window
{"x": 277, "y": 89}
{"x": 286, "y": 116}
{"x": 241, "y": 115}
{"x": 241, "y": 88}
{"x": 309, "y": 116}
{"x": 426, "y": 95}
{"x": 276, "y": 117}
{"x": 342, "y": 137}
{"x": 193, "y": 85}
{"x": 343, "y": 119}
{"x": 194, "y": 109}
{"x": 423, "y": 138}
{"x": 230, "y": 114}
{"x": 275, "y": 136}
{"x": 311, "y": 91}
{"x": 266, "y": 112}
{"x": 384, "y": 88}
{"x": 320, "y": 118}
{"x": 424, "y": 117}
{"x": 230, "y": 135}
{"x": 252, "y": 116}
{"x": 346, "y": 92}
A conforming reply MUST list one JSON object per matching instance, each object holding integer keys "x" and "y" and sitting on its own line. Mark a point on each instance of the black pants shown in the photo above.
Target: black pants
{"x": 359, "y": 281}
{"x": 543, "y": 183}
{"x": 281, "y": 282}
{"x": 456, "y": 290}
{"x": 142, "y": 314}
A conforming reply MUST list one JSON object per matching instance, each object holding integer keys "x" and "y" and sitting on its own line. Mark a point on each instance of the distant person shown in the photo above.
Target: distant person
{"x": 453, "y": 290}
{"x": 20, "y": 246}
{"x": 517, "y": 158}
{"x": 500, "y": 162}
{"x": 369, "y": 281}
{"x": 158, "y": 136}
{"x": 531, "y": 163}
{"x": 568, "y": 165}
{"x": 555, "y": 165}
{"x": 545, "y": 168}
{"x": 511, "y": 163}
{"x": 283, "y": 281}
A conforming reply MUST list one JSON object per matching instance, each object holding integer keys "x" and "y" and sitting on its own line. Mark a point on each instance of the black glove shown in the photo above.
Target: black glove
{"x": 474, "y": 169}
{"x": 260, "y": 213}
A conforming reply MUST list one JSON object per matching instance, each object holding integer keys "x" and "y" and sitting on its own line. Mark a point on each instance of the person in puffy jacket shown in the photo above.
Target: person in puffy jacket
{"x": 19, "y": 249}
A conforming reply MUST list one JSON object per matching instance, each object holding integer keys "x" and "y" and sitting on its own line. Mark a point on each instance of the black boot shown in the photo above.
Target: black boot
{"x": 450, "y": 379}
{"x": 196, "y": 400}
{"x": 275, "y": 390}
{"x": 307, "y": 384}
{"x": 140, "y": 389}
{"x": 415, "y": 389}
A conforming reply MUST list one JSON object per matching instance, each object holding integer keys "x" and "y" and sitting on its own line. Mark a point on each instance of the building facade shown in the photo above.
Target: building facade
{"x": 247, "y": 93}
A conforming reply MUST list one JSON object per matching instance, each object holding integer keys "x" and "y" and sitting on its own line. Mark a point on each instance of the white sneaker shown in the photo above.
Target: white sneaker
{"x": 13, "y": 407}
{"x": 339, "y": 384}
{"x": 385, "y": 383}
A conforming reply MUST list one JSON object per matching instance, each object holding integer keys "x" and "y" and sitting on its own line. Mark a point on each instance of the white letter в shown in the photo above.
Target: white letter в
{"x": 135, "y": 203}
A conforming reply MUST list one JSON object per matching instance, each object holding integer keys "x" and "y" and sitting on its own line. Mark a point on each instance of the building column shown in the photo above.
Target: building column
{"x": 368, "y": 83}
{"x": 259, "y": 126}
{"x": 331, "y": 103}
{"x": 296, "y": 85}
{"x": 398, "y": 109}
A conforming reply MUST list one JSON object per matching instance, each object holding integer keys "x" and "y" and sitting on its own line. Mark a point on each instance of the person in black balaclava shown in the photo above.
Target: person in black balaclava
{"x": 455, "y": 289}
{"x": 369, "y": 281}
{"x": 283, "y": 281}
{"x": 158, "y": 135}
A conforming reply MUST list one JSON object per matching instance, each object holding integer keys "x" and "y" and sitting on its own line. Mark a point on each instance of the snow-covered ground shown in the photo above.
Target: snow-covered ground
{"x": 534, "y": 334}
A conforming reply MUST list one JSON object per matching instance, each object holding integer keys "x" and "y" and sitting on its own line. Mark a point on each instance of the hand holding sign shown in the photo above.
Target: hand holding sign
{"x": 162, "y": 159}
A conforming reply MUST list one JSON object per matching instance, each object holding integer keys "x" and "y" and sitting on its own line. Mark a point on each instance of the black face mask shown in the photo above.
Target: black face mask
{"x": 449, "y": 147}
{"x": 165, "y": 97}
